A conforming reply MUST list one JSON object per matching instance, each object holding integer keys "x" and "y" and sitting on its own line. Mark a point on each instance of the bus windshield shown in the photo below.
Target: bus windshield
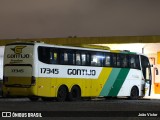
{"x": 146, "y": 68}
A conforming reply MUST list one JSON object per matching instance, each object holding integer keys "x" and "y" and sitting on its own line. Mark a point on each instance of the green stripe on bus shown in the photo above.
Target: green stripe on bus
{"x": 119, "y": 82}
{"x": 109, "y": 83}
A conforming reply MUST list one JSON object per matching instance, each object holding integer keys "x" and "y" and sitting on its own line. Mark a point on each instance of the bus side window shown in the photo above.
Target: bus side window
{"x": 124, "y": 60}
{"x": 53, "y": 57}
{"x": 118, "y": 60}
{"x": 100, "y": 58}
{"x": 67, "y": 58}
{"x": 63, "y": 57}
{"x": 93, "y": 60}
{"x": 78, "y": 59}
{"x": 132, "y": 61}
{"x": 114, "y": 60}
{"x": 88, "y": 59}
{"x": 96, "y": 59}
{"x": 137, "y": 62}
{"x": 71, "y": 60}
{"x": 44, "y": 54}
{"x": 83, "y": 56}
{"x": 107, "y": 60}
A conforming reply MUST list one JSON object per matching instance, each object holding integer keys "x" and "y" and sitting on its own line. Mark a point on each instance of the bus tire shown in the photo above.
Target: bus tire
{"x": 75, "y": 93}
{"x": 134, "y": 95}
{"x": 62, "y": 94}
{"x": 33, "y": 99}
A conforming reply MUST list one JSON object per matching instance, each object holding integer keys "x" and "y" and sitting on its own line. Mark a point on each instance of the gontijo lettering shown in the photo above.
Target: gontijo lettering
{"x": 18, "y": 56}
{"x": 81, "y": 72}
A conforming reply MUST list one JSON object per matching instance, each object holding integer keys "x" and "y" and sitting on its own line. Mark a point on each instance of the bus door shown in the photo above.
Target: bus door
{"x": 146, "y": 70}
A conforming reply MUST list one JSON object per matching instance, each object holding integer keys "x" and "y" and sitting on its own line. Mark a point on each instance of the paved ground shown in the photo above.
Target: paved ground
{"x": 96, "y": 109}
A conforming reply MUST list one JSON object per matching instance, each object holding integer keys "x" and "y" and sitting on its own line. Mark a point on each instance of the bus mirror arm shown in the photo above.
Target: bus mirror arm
{"x": 155, "y": 68}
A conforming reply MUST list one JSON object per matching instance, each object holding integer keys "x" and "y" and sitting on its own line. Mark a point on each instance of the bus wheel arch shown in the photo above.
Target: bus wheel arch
{"x": 134, "y": 93}
{"x": 62, "y": 93}
{"x": 75, "y": 93}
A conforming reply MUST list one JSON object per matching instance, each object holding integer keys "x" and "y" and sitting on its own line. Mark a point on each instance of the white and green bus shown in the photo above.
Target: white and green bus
{"x": 39, "y": 70}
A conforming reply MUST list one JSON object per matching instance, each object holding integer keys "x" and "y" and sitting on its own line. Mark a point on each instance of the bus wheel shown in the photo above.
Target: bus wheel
{"x": 75, "y": 94}
{"x": 62, "y": 94}
{"x": 134, "y": 95}
{"x": 33, "y": 99}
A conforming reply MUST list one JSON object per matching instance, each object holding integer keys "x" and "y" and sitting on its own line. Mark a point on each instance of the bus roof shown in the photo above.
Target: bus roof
{"x": 81, "y": 47}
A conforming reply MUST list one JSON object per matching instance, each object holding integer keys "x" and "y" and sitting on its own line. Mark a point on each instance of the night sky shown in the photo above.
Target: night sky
{"x": 81, "y": 18}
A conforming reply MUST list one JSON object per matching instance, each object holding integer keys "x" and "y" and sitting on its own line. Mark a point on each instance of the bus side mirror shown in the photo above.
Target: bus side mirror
{"x": 151, "y": 65}
{"x": 156, "y": 71}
